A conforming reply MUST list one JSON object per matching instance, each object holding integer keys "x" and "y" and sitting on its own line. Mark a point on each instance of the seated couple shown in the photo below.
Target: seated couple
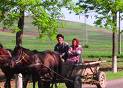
{"x": 71, "y": 53}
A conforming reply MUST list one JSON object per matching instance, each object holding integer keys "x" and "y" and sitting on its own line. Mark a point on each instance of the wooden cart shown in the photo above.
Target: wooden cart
{"x": 85, "y": 73}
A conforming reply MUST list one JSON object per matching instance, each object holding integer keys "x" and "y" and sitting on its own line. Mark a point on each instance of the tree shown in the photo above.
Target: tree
{"x": 107, "y": 10}
{"x": 44, "y": 13}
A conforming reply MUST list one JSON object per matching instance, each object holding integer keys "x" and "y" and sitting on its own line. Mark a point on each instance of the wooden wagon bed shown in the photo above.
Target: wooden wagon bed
{"x": 87, "y": 72}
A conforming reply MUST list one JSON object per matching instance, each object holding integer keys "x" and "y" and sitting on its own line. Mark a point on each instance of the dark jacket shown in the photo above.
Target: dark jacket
{"x": 62, "y": 49}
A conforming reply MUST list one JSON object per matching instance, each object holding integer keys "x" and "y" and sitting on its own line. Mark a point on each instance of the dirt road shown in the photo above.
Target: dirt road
{"x": 110, "y": 84}
{"x": 115, "y": 83}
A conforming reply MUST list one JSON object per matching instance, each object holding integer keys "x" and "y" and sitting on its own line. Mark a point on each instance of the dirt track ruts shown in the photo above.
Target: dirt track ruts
{"x": 118, "y": 83}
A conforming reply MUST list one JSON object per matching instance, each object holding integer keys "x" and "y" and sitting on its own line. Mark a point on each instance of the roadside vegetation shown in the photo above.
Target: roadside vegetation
{"x": 112, "y": 76}
{"x": 99, "y": 43}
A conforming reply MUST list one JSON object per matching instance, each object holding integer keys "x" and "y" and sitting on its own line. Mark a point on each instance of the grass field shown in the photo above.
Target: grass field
{"x": 112, "y": 76}
{"x": 99, "y": 41}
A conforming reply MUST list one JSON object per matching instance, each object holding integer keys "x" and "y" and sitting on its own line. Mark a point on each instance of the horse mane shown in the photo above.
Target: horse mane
{"x": 41, "y": 54}
{"x": 21, "y": 48}
{"x": 51, "y": 52}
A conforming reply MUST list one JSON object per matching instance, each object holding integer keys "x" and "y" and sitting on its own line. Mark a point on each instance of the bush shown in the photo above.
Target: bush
{"x": 85, "y": 46}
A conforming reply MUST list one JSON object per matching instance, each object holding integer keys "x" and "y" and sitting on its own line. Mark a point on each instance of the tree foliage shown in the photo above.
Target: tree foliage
{"x": 107, "y": 17}
{"x": 106, "y": 10}
{"x": 43, "y": 12}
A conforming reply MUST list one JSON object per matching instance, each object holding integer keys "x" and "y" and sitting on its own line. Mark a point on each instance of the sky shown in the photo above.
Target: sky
{"x": 81, "y": 18}
{"x": 78, "y": 18}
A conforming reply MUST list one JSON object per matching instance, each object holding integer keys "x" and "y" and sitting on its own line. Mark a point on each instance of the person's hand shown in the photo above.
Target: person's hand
{"x": 62, "y": 60}
{"x": 62, "y": 55}
{"x": 70, "y": 51}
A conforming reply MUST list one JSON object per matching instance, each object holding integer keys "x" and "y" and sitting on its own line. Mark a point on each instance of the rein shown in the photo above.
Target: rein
{"x": 22, "y": 57}
{"x": 62, "y": 77}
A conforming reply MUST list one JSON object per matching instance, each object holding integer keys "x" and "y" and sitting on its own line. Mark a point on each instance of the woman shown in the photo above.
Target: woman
{"x": 74, "y": 52}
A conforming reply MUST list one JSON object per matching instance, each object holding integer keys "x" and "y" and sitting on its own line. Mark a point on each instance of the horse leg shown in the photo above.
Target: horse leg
{"x": 25, "y": 80}
{"x": 69, "y": 84}
{"x": 33, "y": 81}
{"x": 8, "y": 75}
{"x": 40, "y": 85}
{"x": 8, "y": 79}
{"x": 7, "y": 83}
{"x": 46, "y": 85}
{"x": 33, "y": 84}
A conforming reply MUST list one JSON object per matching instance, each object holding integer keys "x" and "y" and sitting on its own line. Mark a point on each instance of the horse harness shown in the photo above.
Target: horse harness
{"x": 21, "y": 57}
{"x": 50, "y": 72}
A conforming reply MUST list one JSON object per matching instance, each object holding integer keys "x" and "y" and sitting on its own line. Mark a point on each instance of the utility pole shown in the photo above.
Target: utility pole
{"x": 86, "y": 33}
{"x": 119, "y": 34}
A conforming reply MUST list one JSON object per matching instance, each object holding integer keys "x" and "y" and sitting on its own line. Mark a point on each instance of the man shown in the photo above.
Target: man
{"x": 61, "y": 47}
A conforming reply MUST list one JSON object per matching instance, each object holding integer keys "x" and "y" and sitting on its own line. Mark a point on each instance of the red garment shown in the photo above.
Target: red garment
{"x": 74, "y": 55}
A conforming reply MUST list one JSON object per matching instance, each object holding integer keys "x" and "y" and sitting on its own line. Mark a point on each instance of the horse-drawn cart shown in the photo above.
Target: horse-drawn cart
{"x": 46, "y": 66}
{"x": 85, "y": 73}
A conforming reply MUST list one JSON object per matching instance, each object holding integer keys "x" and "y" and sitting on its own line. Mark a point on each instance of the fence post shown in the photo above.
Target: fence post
{"x": 18, "y": 81}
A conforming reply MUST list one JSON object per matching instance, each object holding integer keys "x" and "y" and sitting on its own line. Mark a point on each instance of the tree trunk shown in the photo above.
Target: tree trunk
{"x": 114, "y": 57}
{"x": 19, "y": 43}
{"x": 20, "y": 26}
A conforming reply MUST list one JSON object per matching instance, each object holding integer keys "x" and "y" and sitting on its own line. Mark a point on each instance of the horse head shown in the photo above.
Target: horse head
{"x": 21, "y": 56}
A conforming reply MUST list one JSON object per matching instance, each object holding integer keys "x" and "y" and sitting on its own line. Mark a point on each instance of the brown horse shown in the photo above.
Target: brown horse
{"x": 6, "y": 63}
{"x": 41, "y": 65}
{"x": 5, "y": 60}
{"x": 38, "y": 64}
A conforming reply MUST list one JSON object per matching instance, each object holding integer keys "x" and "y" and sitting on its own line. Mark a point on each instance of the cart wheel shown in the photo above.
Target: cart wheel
{"x": 101, "y": 77}
{"x": 77, "y": 82}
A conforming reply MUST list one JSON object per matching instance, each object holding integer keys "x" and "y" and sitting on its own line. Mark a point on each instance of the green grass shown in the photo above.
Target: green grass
{"x": 111, "y": 75}
{"x": 61, "y": 85}
{"x": 99, "y": 41}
